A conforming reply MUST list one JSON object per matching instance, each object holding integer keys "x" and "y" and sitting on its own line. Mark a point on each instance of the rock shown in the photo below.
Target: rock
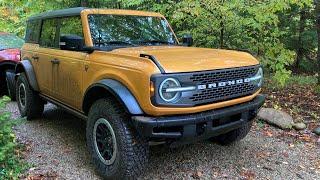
{"x": 276, "y": 117}
{"x": 299, "y": 126}
{"x": 317, "y": 131}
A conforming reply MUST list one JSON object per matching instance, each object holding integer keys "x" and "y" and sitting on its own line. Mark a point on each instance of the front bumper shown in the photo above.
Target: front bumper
{"x": 200, "y": 125}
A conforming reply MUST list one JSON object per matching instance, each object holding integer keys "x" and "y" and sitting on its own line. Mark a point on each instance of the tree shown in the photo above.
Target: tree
{"x": 278, "y": 32}
{"x": 300, "y": 49}
{"x": 317, "y": 15}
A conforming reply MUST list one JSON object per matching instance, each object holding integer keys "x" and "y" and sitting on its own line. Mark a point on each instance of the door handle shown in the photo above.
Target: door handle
{"x": 55, "y": 61}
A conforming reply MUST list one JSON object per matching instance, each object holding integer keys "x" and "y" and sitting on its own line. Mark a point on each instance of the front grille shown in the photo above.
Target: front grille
{"x": 223, "y": 93}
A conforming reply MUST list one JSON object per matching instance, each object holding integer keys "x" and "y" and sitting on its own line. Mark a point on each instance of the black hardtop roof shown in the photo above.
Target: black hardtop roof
{"x": 58, "y": 13}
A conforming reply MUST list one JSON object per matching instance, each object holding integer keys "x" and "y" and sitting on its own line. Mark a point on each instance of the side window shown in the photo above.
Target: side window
{"x": 71, "y": 26}
{"x": 71, "y": 35}
{"x": 48, "y": 33}
{"x": 33, "y": 31}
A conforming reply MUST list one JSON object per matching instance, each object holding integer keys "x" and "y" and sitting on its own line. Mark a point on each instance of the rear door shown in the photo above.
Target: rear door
{"x": 48, "y": 44}
{"x": 31, "y": 45}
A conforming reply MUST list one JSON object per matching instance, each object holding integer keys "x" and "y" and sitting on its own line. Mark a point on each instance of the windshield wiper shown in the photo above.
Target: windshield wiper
{"x": 155, "y": 42}
{"x": 109, "y": 43}
{"x": 119, "y": 43}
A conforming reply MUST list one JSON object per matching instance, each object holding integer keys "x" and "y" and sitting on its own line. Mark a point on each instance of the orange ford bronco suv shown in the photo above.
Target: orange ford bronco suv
{"x": 125, "y": 73}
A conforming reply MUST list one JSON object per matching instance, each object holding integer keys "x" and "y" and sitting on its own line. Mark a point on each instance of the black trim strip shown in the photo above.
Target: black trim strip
{"x": 65, "y": 107}
{"x": 155, "y": 61}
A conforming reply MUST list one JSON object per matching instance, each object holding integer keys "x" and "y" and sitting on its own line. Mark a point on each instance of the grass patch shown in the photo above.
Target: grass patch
{"x": 11, "y": 163}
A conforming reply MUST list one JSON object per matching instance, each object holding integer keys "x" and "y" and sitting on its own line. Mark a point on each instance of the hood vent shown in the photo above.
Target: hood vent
{"x": 155, "y": 61}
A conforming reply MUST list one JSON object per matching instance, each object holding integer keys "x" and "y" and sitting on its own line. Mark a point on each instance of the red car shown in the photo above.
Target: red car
{"x": 9, "y": 56}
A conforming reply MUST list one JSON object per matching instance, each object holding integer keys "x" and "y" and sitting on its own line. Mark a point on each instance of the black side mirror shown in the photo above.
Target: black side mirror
{"x": 74, "y": 43}
{"x": 187, "y": 40}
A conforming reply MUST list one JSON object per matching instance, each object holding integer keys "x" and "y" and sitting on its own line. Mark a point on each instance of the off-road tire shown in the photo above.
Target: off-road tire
{"x": 3, "y": 84}
{"x": 34, "y": 105}
{"x": 234, "y": 136}
{"x": 11, "y": 85}
{"x": 132, "y": 149}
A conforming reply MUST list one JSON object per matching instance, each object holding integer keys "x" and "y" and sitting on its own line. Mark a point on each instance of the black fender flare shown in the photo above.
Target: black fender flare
{"x": 26, "y": 66}
{"x": 118, "y": 90}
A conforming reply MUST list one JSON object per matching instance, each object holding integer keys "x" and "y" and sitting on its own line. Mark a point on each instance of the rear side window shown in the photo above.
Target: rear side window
{"x": 49, "y": 33}
{"x": 33, "y": 31}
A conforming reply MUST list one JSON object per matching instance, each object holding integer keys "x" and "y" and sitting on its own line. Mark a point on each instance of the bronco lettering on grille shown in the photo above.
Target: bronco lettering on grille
{"x": 223, "y": 84}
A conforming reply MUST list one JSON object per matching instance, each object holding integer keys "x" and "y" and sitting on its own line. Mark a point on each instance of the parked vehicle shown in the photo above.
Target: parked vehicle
{"x": 126, "y": 74}
{"x": 9, "y": 56}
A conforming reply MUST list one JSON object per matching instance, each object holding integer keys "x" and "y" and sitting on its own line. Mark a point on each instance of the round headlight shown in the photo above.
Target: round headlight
{"x": 166, "y": 84}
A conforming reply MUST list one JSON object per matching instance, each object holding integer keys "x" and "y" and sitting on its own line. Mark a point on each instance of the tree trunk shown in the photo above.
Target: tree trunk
{"x": 317, "y": 15}
{"x": 300, "y": 50}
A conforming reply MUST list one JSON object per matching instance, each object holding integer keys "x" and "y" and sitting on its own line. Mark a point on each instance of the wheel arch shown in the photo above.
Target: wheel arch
{"x": 26, "y": 67}
{"x": 5, "y": 65}
{"x": 110, "y": 87}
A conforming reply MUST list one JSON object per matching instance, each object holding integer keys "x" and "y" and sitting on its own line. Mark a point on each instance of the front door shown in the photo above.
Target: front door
{"x": 68, "y": 66}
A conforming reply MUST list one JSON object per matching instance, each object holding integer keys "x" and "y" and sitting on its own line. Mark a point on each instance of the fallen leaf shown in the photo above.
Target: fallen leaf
{"x": 247, "y": 174}
{"x": 268, "y": 133}
{"x": 197, "y": 175}
{"x": 291, "y": 145}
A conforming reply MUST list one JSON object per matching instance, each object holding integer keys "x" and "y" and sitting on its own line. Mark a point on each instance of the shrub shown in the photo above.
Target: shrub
{"x": 317, "y": 90}
{"x": 11, "y": 164}
{"x": 303, "y": 80}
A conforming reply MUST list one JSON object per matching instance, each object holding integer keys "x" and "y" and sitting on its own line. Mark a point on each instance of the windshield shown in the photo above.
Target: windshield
{"x": 8, "y": 41}
{"x": 125, "y": 30}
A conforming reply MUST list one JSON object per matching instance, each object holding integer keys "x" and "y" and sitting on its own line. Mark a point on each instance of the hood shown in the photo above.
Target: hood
{"x": 10, "y": 54}
{"x": 188, "y": 59}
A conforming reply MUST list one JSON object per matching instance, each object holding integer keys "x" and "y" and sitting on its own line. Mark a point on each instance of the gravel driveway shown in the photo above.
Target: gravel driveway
{"x": 55, "y": 146}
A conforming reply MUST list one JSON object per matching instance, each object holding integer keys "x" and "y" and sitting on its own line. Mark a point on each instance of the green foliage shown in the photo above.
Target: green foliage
{"x": 317, "y": 90}
{"x": 260, "y": 123}
{"x": 302, "y": 80}
{"x": 10, "y": 164}
{"x": 294, "y": 80}
{"x": 269, "y": 29}
{"x": 308, "y": 66}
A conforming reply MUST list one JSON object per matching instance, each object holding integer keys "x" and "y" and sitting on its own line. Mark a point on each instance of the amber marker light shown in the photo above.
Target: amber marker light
{"x": 151, "y": 89}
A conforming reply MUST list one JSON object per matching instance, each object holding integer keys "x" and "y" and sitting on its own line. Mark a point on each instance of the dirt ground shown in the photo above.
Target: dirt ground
{"x": 56, "y": 148}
